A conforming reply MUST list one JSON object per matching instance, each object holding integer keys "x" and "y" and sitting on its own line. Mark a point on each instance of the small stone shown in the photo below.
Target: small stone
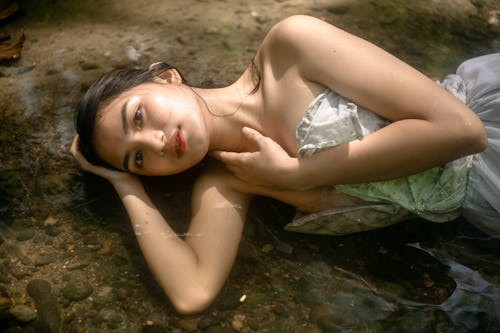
{"x": 247, "y": 251}
{"x": 189, "y": 325}
{"x": 23, "y": 313}
{"x": 105, "y": 247}
{"x": 5, "y": 304}
{"x": 153, "y": 328}
{"x": 219, "y": 329}
{"x": 49, "y": 221}
{"x": 77, "y": 291}
{"x": 24, "y": 69}
{"x": 282, "y": 310}
{"x": 428, "y": 283}
{"x": 91, "y": 240}
{"x": 266, "y": 248}
{"x": 52, "y": 231}
{"x": 77, "y": 265}
{"x": 208, "y": 321}
{"x": 44, "y": 259}
{"x": 4, "y": 278}
{"x": 238, "y": 321}
{"x": 111, "y": 317}
{"x": 25, "y": 234}
{"x": 20, "y": 273}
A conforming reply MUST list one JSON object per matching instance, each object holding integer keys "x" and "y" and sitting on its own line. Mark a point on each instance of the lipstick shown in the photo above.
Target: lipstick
{"x": 180, "y": 144}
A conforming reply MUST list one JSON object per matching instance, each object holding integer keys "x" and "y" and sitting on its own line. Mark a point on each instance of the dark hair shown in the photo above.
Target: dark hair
{"x": 105, "y": 88}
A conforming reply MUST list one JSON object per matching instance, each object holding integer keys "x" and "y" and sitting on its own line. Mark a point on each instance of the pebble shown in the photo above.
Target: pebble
{"x": 25, "y": 234}
{"x": 5, "y": 304}
{"x": 103, "y": 297}
{"x": 189, "y": 325}
{"x": 20, "y": 273}
{"x": 153, "y": 329}
{"x": 24, "y": 69}
{"x": 23, "y": 313}
{"x": 4, "y": 278}
{"x": 247, "y": 251}
{"x": 238, "y": 321}
{"x": 52, "y": 231}
{"x": 220, "y": 329}
{"x": 77, "y": 265}
{"x": 49, "y": 221}
{"x": 283, "y": 310}
{"x": 111, "y": 317}
{"x": 44, "y": 259}
{"x": 77, "y": 291}
{"x": 105, "y": 247}
{"x": 207, "y": 321}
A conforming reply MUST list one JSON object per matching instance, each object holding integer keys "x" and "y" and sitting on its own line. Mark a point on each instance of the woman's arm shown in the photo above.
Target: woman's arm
{"x": 429, "y": 126}
{"x": 191, "y": 271}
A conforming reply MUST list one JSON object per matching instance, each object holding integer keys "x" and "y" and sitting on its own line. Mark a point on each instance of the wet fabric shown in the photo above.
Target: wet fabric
{"x": 437, "y": 194}
{"x": 482, "y": 201}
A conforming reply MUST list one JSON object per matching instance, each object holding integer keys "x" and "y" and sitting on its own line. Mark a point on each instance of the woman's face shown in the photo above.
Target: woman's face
{"x": 152, "y": 129}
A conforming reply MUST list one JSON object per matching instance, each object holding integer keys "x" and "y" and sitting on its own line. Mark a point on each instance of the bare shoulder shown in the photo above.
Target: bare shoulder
{"x": 306, "y": 44}
{"x": 294, "y": 33}
{"x": 292, "y": 28}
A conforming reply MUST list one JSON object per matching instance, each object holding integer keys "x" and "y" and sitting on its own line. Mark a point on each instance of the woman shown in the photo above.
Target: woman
{"x": 151, "y": 123}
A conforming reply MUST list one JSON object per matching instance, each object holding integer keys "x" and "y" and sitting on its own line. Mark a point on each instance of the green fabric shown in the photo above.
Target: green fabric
{"x": 436, "y": 194}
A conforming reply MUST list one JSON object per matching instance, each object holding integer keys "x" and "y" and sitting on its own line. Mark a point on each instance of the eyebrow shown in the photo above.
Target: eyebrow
{"x": 125, "y": 130}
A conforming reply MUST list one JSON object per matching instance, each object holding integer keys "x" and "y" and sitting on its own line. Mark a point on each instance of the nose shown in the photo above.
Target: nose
{"x": 152, "y": 140}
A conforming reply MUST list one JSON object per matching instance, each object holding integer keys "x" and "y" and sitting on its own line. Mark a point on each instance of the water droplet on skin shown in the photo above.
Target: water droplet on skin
{"x": 137, "y": 229}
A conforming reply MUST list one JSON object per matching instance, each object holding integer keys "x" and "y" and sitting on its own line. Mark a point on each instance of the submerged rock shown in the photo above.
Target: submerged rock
{"x": 23, "y": 313}
{"x": 77, "y": 291}
{"x": 48, "y": 308}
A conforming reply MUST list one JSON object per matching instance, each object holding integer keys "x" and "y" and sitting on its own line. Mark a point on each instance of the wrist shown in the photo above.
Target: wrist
{"x": 126, "y": 184}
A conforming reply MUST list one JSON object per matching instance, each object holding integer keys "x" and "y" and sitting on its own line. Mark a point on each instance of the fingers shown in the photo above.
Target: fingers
{"x": 253, "y": 135}
{"x": 74, "y": 145}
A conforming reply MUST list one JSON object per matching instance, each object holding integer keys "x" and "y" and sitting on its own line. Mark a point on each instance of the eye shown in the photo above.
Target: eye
{"x": 138, "y": 159}
{"x": 138, "y": 117}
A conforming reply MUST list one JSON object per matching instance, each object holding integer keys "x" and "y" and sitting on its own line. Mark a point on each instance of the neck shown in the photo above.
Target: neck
{"x": 227, "y": 111}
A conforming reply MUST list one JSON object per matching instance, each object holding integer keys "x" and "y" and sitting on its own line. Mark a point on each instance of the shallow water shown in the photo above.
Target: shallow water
{"x": 68, "y": 229}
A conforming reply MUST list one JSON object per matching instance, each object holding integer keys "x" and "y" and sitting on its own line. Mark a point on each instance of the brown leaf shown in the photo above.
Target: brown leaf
{"x": 11, "y": 50}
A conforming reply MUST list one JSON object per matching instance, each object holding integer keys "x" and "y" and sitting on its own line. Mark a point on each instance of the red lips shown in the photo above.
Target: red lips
{"x": 178, "y": 144}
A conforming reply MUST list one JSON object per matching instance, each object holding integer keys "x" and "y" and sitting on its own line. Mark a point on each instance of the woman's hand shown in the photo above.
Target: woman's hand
{"x": 269, "y": 166}
{"x": 113, "y": 176}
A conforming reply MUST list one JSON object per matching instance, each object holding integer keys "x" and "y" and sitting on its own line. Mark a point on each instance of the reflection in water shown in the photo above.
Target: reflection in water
{"x": 475, "y": 302}
{"x": 351, "y": 303}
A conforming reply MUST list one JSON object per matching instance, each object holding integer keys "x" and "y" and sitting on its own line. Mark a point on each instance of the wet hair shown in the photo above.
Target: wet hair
{"x": 102, "y": 91}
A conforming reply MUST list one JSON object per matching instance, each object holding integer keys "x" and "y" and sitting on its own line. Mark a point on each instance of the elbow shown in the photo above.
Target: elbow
{"x": 192, "y": 302}
{"x": 475, "y": 138}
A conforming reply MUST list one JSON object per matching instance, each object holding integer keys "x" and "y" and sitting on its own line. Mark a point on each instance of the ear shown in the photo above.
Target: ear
{"x": 168, "y": 76}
